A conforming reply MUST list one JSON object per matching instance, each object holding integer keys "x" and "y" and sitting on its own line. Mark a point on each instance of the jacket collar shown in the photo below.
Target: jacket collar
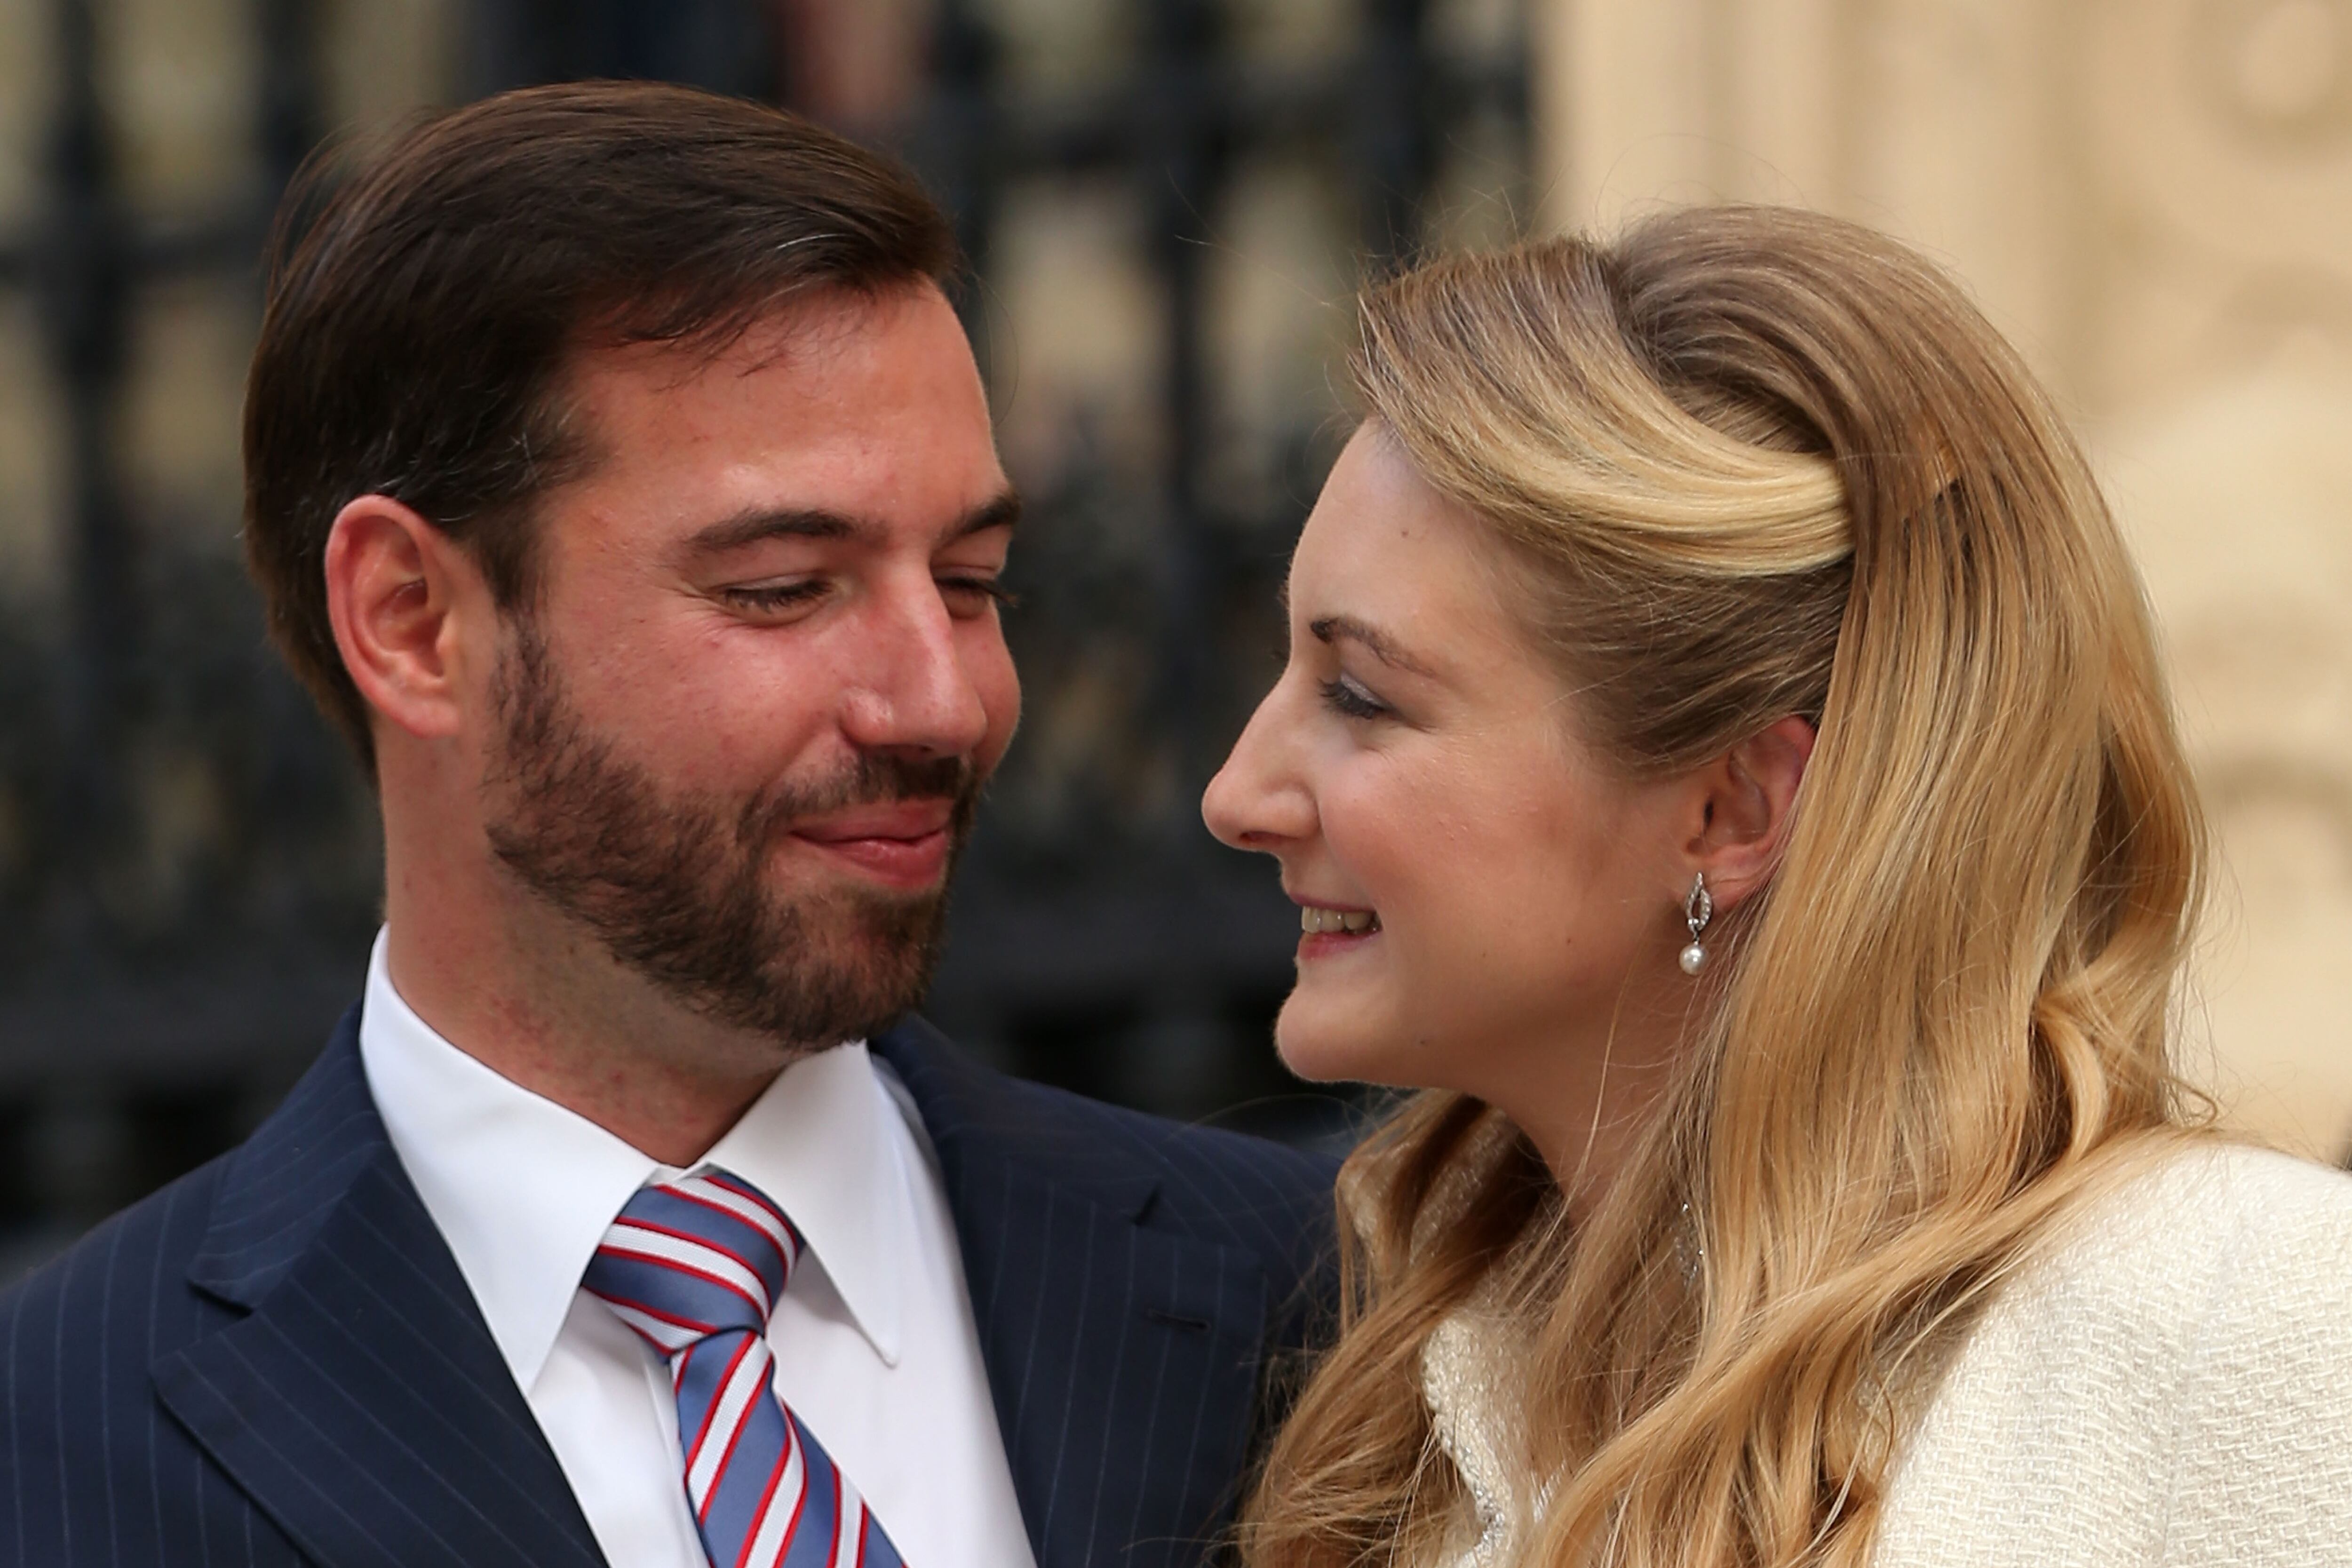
{"x": 361, "y": 1401}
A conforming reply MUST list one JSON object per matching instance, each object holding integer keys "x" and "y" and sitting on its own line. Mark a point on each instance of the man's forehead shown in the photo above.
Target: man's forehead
{"x": 805, "y": 338}
{"x": 838, "y": 385}
{"x": 846, "y": 416}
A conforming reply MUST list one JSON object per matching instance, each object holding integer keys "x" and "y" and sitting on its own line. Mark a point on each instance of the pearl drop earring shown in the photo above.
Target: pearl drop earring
{"x": 1698, "y": 910}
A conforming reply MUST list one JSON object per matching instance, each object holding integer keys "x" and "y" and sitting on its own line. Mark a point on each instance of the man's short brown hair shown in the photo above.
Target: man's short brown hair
{"x": 418, "y": 328}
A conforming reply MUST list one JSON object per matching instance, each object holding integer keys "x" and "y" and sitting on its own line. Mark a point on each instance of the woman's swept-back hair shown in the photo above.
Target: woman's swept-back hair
{"x": 1746, "y": 463}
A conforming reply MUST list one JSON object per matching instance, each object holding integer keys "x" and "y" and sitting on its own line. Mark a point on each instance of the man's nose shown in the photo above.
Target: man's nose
{"x": 917, "y": 692}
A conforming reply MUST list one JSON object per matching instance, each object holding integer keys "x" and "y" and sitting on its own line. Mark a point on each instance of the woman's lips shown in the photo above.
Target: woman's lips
{"x": 904, "y": 843}
{"x": 1330, "y": 944}
{"x": 1325, "y": 931}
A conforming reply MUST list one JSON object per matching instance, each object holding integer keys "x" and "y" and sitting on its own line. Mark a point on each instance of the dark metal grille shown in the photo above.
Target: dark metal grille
{"x": 188, "y": 864}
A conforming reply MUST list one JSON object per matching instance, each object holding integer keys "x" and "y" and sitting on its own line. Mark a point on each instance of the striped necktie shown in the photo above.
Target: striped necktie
{"x": 695, "y": 1266}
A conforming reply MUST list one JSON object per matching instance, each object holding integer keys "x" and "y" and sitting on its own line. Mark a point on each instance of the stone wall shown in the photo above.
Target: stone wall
{"x": 2154, "y": 199}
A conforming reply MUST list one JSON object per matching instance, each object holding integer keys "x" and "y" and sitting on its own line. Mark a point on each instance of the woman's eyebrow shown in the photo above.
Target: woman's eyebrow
{"x": 1384, "y": 647}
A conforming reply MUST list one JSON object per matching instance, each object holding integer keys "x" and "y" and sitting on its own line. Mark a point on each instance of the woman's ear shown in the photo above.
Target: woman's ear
{"x": 1750, "y": 798}
{"x": 402, "y": 596}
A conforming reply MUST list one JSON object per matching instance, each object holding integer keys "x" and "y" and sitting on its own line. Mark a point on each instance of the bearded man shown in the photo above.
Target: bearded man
{"x": 620, "y": 479}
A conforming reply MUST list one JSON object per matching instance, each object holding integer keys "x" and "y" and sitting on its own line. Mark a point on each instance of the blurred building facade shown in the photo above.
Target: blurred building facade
{"x": 1168, "y": 203}
{"x": 2154, "y": 199}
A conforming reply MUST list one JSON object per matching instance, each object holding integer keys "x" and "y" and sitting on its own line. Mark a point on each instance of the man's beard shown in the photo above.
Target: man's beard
{"x": 675, "y": 886}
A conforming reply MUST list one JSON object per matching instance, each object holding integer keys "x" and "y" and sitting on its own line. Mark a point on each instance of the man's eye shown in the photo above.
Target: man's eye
{"x": 979, "y": 590}
{"x": 1345, "y": 696}
{"x": 768, "y": 598}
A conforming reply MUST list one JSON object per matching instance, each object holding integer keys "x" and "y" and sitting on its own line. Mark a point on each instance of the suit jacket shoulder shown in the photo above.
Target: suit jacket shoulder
{"x": 273, "y": 1361}
{"x": 75, "y": 1370}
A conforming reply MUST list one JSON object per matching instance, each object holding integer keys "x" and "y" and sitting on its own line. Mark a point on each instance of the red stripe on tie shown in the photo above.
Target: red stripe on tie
{"x": 840, "y": 1507}
{"x": 718, "y": 1398}
{"x": 770, "y": 1209}
{"x": 670, "y": 1318}
{"x": 767, "y": 1497}
{"x": 702, "y": 1274}
{"x": 865, "y": 1523}
{"x": 800, "y": 1503}
{"x": 744, "y": 1190}
{"x": 691, "y": 1239}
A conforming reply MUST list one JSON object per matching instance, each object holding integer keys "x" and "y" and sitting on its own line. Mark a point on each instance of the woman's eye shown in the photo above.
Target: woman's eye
{"x": 1345, "y": 696}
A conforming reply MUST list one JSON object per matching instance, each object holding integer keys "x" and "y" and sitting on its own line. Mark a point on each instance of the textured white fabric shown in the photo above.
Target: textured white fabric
{"x": 2169, "y": 1387}
{"x": 875, "y": 1342}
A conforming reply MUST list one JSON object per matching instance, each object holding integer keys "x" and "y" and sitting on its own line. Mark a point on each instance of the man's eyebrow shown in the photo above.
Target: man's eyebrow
{"x": 1330, "y": 628}
{"x": 1003, "y": 512}
{"x": 760, "y": 523}
{"x": 772, "y": 522}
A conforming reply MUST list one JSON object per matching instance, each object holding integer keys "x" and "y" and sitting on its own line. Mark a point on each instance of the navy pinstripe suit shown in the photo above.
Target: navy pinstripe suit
{"x": 275, "y": 1360}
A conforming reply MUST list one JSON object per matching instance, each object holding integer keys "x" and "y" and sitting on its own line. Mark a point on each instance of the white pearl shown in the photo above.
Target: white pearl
{"x": 1692, "y": 957}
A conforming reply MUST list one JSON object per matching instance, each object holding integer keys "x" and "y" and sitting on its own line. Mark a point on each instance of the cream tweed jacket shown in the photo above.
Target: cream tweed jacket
{"x": 2170, "y": 1384}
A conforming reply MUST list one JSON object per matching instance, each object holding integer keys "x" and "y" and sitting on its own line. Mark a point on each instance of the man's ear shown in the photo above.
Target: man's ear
{"x": 1750, "y": 796}
{"x": 413, "y": 616}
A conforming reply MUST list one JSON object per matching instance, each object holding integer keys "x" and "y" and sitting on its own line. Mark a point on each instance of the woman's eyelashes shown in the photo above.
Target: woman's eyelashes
{"x": 1345, "y": 698}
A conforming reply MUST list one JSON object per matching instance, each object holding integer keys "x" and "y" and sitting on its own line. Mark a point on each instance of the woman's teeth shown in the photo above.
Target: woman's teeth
{"x": 1317, "y": 922}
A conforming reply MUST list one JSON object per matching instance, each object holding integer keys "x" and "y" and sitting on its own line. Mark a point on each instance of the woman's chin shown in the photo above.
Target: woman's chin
{"x": 1321, "y": 1046}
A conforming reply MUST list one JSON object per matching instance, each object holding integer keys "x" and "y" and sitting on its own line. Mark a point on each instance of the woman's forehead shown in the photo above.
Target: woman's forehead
{"x": 1386, "y": 553}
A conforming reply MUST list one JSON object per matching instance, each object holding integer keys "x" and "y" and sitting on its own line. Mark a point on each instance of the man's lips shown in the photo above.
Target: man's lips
{"x": 902, "y": 843}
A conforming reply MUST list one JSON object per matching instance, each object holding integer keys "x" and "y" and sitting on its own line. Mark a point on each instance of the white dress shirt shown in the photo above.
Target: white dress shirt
{"x": 875, "y": 1344}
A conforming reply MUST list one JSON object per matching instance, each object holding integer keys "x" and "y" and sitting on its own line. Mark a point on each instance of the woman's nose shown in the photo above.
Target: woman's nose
{"x": 1258, "y": 801}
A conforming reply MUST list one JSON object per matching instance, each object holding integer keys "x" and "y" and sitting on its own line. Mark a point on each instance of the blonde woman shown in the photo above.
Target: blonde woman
{"x": 1722, "y": 763}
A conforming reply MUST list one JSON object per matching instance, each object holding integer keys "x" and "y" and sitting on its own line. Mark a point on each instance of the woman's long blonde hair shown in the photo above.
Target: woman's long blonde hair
{"x": 1752, "y": 462}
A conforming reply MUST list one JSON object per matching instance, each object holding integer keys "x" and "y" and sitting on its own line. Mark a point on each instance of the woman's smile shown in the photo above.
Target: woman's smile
{"x": 1328, "y": 931}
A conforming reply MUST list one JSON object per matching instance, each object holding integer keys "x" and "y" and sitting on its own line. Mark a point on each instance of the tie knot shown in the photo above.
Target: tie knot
{"x": 703, "y": 1255}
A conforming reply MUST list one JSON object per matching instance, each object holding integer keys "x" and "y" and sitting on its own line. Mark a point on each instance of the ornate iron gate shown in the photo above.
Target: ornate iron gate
{"x": 188, "y": 865}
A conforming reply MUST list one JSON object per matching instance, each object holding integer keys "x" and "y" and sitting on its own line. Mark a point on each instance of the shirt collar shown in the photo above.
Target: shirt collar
{"x": 522, "y": 1189}
{"x": 819, "y": 1143}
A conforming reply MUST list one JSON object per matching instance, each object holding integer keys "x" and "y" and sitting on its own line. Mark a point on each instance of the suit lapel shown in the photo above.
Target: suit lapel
{"x": 361, "y": 1402}
{"x": 1123, "y": 1358}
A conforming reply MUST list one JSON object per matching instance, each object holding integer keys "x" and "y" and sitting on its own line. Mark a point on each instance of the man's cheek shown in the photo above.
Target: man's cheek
{"x": 1001, "y": 697}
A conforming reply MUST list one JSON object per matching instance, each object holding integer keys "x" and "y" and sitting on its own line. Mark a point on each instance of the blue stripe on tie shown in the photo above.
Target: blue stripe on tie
{"x": 671, "y": 1295}
{"x": 878, "y": 1552}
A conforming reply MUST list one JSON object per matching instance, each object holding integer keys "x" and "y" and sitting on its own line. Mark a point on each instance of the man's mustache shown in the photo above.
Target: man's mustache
{"x": 875, "y": 778}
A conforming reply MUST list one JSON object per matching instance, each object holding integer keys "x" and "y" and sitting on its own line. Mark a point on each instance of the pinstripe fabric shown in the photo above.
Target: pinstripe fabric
{"x": 1134, "y": 1282}
{"x": 275, "y": 1360}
